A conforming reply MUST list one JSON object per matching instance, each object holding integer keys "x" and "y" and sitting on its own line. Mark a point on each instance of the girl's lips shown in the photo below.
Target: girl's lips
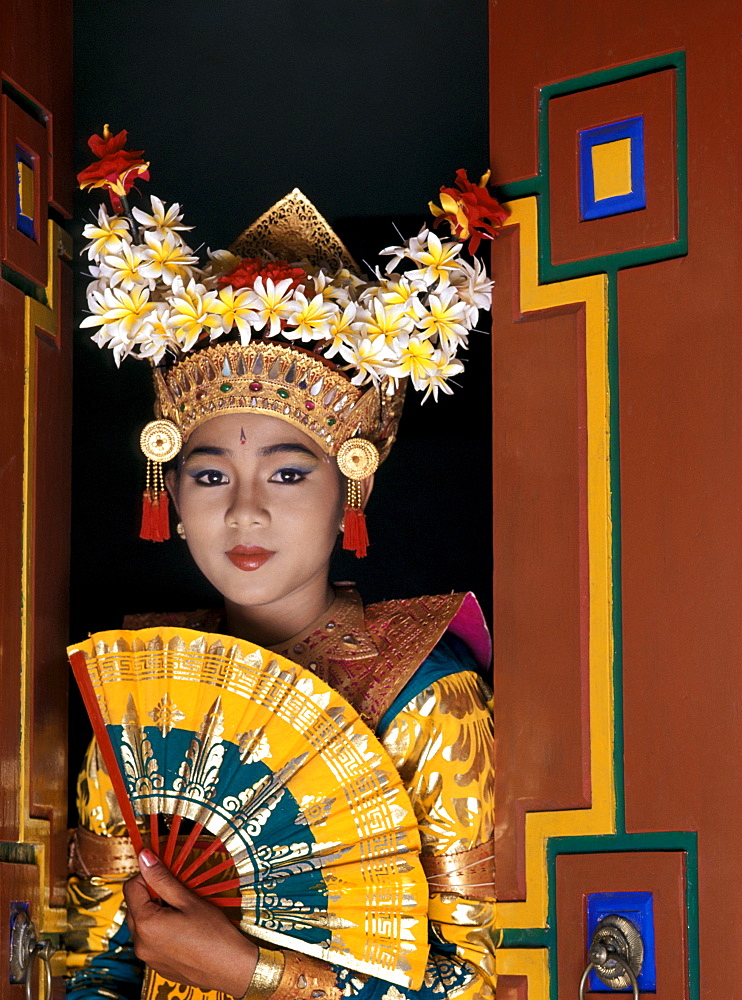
{"x": 248, "y": 557}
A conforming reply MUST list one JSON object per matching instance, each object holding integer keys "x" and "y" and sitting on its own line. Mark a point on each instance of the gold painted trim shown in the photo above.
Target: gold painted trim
{"x": 530, "y": 962}
{"x": 600, "y": 817}
{"x": 46, "y": 318}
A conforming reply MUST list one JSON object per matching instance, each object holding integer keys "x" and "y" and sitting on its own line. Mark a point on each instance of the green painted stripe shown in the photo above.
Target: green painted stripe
{"x": 529, "y": 937}
{"x": 17, "y": 854}
{"x": 519, "y": 189}
{"x": 24, "y": 284}
{"x": 616, "y": 576}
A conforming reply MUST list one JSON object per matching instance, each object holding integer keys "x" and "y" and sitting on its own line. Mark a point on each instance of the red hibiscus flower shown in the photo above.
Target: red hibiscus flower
{"x": 471, "y": 211}
{"x": 116, "y": 169}
{"x": 245, "y": 273}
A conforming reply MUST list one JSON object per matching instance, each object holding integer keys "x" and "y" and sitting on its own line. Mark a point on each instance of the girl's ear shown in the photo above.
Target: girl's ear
{"x": 171, "y": 481}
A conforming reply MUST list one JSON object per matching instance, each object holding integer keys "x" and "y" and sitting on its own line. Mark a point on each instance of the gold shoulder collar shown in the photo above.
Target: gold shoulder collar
{"x": 368, "y": 655}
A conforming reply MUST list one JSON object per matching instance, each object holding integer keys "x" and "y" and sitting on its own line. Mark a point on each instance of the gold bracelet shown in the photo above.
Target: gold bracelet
{"x": 267, "y": 975}
{"x": 306, "y": 978}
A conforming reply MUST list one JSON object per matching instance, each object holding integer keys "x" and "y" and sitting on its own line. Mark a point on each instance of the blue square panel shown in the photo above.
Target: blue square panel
{"x": 636, "y": 907}
{"x": 25, "y": 214}
{"x": 611, "y": 167}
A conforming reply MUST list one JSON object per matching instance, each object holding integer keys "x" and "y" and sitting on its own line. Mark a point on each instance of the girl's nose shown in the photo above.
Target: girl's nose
{"x": 247, "y": 506}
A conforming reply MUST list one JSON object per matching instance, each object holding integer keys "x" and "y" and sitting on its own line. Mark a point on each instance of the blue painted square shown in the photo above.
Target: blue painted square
{"x": 632, "y": 129}
{"x": 636, "y": 907}
{"x": 24, "y": 223}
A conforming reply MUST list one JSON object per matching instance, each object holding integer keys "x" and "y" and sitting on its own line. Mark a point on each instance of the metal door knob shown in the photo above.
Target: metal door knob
{"x": 616, "y": 955}
{"x": 25, "y": 949}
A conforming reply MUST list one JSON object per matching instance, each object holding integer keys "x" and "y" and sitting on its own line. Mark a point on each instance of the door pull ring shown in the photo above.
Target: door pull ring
{"x": 616, "y": 955}
{"x": 25, "y": 949}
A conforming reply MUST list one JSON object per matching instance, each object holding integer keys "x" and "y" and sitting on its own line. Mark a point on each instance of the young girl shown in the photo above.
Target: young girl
{"x": 278, "y": 454}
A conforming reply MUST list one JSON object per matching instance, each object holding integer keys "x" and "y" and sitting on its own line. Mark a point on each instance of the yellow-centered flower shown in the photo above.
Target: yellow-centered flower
{"x": 191, "y": 311}
{"x": 444, "y": 319}
{"x": 108, "y": 236}
{"x": 311, "y": 319}
{"x": 166, "y": 259}
{"x": 414, "y": 360}
{"x": 370, "y": 355}
{"x": 234, "y": 308}
{"x": 438, "y": 260}
{"x": 272, "y": 303}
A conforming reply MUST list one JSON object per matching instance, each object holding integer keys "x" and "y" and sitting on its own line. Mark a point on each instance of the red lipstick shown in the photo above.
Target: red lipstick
{"x": 248, "y": 557}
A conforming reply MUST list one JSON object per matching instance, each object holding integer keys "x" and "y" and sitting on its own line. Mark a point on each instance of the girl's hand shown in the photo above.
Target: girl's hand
{"x": 184, "y": 937}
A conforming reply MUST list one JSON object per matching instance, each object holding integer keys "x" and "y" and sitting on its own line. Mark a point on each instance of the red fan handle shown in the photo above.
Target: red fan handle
{"x": 80, "y": 670}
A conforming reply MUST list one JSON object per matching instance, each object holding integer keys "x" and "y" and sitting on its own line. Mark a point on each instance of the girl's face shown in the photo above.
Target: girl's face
{"x": 261, "y": 506}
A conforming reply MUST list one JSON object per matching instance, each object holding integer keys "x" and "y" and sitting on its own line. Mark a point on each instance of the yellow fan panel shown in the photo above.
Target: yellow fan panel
{"x": 284, "y": 773}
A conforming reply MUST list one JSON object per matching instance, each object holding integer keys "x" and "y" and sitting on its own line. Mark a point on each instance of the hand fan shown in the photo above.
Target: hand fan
{"x": 313, "y": 841}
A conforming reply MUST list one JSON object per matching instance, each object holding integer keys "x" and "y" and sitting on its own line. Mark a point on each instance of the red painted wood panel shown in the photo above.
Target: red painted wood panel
{"x": 679, "y": 369}
{"x": 36, "y": 59}
{"x": 681, "y": 494}
{"x": 11, "y": 512}
{"x": 533, "y": 43}
{"x": 50, "y": 575}
{"x": 540, "y": 630}
{"x": 659, "y": 872}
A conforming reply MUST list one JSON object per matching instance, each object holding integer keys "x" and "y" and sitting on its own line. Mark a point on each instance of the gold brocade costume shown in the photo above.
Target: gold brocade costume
{"x": 404, "y": 667}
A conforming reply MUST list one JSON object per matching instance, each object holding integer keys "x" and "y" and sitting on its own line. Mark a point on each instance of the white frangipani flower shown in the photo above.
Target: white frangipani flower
{"x": 436, "y": 259}
{"x": 156, "y": 334}
{"x": 235, "y": 309}
{"x": 370, "y": 355}
{"x": 125, "y": 268}
{"x": 108, "y": 236}
{"x": 445, "y": 368}
{"x": 273, "y": 304}
{"x": 414, "y": 360}
{"x": 220, "y": 263}
{"x": 445, "y": 320}
{"x": 190, "y": 312}
{"x": 473, "y": 285}
{"x": 341, "y": 329}
{"x": 389, "y": 321}
{"x": 120, "y": 314}
{"x": 167, "y": 258}
{"x": 311, "y": 318}
{"x": 161, "y": 222}
{"x": 408, "y": 249}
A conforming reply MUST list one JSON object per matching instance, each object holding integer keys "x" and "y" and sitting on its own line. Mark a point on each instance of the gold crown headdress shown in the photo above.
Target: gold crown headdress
{"x": 288, "y": 276}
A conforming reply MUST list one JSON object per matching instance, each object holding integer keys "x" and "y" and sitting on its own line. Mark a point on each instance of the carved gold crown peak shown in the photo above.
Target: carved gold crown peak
{"x": 294, "y": 230}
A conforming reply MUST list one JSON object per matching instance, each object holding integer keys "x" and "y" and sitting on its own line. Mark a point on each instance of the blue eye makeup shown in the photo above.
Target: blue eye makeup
{"x": 289, "y": 476}
{"x": 208, "y": 477}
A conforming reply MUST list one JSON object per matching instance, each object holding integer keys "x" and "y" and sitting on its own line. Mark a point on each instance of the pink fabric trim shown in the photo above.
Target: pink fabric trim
{"x": 468, "y": 624}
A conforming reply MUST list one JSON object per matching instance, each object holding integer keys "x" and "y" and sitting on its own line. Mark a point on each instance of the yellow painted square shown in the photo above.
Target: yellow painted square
{"x": 611, "y": 169}
{"x": 26, "y": 190}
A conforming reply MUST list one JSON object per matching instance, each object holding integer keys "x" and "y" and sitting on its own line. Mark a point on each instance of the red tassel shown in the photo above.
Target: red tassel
{"x": 145, "y": 531}
{"x": 355, "y": 534}
{"x": 155, "y": 519}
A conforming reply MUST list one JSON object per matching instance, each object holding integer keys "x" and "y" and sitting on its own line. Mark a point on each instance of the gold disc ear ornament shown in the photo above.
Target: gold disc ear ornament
{"x": 160, "y": 440}
{"x": 357, "y": 458}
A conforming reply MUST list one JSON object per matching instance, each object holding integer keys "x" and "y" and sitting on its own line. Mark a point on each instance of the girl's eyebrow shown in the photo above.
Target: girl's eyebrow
{"x": 277, "y": 449}
{"x": 207, "y": 449}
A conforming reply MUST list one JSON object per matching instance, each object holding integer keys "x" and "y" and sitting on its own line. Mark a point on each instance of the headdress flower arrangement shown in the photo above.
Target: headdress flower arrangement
{"x": 150, "y": 295}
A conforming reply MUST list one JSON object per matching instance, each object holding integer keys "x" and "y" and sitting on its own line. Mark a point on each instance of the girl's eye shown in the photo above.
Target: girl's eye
{"x": 288, "y": 476}
{"x": 211, "y": 477}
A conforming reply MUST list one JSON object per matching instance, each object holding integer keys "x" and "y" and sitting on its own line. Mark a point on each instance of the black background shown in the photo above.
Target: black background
{"x": 367, "y": 106}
